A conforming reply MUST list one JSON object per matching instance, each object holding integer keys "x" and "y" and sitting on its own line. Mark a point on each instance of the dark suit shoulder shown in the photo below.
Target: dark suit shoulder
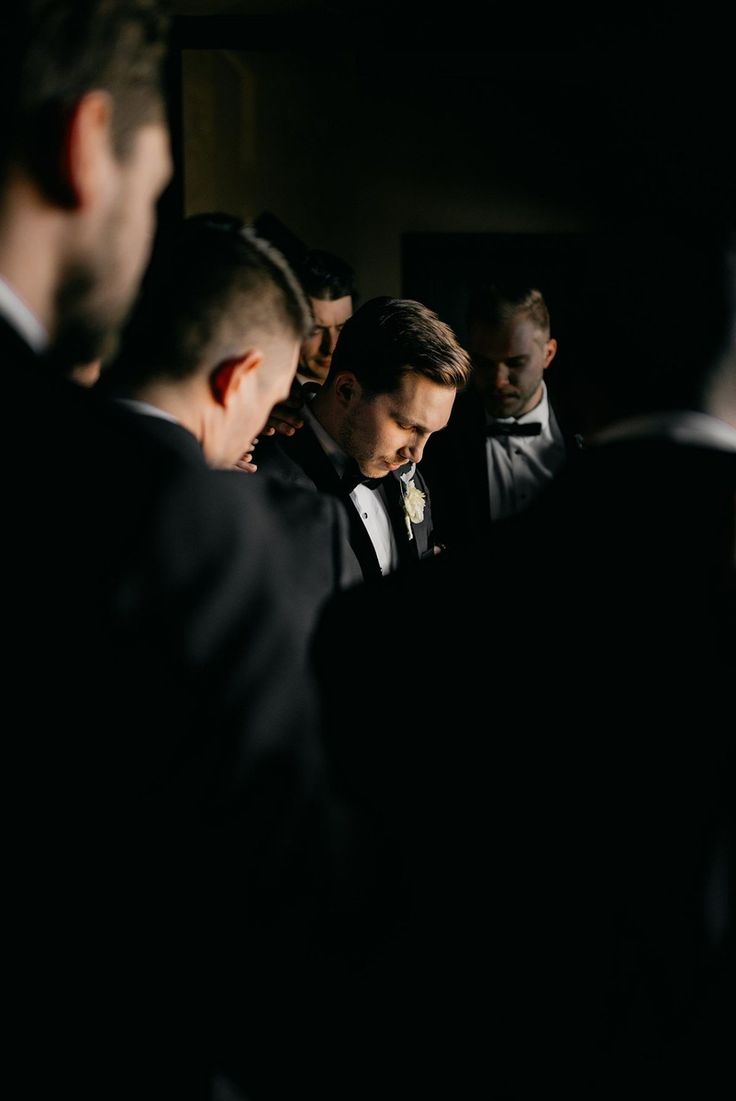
{"x": 280, "y": 457}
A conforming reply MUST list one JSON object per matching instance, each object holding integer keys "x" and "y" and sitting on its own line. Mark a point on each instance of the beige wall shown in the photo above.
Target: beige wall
{"x": 350, "y": 159}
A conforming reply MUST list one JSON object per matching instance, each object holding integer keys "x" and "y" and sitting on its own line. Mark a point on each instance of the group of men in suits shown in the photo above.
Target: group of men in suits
{"x": 570, "y": 769}
{"x": 391, "y": 385}
{"x": 199, "y": 857}
{"x": 174, "y": 842}
{"x": 211, "y": 344}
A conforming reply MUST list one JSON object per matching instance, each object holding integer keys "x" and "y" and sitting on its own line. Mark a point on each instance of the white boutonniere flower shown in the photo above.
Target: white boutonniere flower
{"x": 413, "y": 500}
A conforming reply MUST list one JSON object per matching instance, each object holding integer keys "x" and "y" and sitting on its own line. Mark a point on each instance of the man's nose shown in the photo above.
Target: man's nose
{"x": 328, "y": 342}
{"x": 412, "y": 452}
{"x": 501, "y": 376}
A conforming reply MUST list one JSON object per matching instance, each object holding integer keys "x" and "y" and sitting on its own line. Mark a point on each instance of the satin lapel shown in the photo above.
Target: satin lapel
{"x": 408, "y": 550}
{"x": 305, "y": 449}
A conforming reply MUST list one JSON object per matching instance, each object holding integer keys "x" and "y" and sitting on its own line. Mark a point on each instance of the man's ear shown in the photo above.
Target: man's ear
{"x": 550, "y": 351}
{"x": 85, "y": 146}
{"x": 227, "y": 376}
{"x": 346, "y": 387}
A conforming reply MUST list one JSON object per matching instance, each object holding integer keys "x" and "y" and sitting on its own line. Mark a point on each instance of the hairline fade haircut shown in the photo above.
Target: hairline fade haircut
{"x": 496, "y": 304}
{"x": 390, "y": 337}
{"x": 217, "y": 284}
{"x": 63, "y": 50}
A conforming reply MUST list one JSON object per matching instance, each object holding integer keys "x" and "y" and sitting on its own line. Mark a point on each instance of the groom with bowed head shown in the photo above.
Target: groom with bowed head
{"x": 581, "y": 875}
{"x": 392, "y": 382}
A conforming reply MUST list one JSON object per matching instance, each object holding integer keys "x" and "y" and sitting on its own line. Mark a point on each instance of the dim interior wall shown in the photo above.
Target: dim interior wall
{"x": 219, "y": 109}
{"x": 351, "y": 154}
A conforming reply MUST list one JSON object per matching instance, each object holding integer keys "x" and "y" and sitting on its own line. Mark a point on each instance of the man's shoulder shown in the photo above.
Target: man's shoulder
{"x": 14, "y": 351}
{"x": 286, "y": 457}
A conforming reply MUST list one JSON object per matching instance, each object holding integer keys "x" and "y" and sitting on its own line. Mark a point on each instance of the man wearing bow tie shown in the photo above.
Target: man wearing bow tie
{"x": 504, "y": 445}
{"x": 392, "y": 383}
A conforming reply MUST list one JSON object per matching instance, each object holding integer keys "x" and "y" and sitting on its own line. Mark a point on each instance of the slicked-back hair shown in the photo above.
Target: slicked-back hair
{"x": 325, "y": 276}
{"x": 60, "y": 50}
{"x": 217, "y": 282}
{"x": 496, "y": 304}
{"x": 388, "y": 337}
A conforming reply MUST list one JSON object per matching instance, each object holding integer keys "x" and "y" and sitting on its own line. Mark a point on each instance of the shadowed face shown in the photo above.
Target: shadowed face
{"x": 386, "y": 431}
{"x": 100, "y": 282}
{"x": 316, "y": 352}
{"x": 509, "y": 361}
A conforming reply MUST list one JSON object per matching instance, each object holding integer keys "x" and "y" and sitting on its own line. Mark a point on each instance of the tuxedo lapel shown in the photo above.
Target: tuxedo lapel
{"x": 304, "y": 448}
{"x": 392, "y": 494}
{"x": 390, "y": 491}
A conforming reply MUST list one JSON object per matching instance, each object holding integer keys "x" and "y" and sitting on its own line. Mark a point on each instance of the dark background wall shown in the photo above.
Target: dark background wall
{"x": 424, "y": 166}
{"x": 353, "y": 149}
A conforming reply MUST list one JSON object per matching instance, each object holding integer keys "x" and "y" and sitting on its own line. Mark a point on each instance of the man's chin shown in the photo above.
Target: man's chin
{"x": 312, "y": 374}
{"x": 78, "y": 346}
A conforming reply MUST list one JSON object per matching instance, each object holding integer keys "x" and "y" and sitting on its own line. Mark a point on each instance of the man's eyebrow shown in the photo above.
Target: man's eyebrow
{"x": 408, "y": 420}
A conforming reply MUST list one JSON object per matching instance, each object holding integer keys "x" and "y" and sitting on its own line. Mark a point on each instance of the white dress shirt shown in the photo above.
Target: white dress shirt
{"x": 147, "y": 409}
{"x": 23, "y": 320}
{"x": 520, "y": 467}
{"x": 368, "y": 502}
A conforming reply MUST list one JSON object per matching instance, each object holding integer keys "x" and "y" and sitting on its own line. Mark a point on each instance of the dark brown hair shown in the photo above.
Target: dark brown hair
{"x": 60, "y": 50}
{"x": 387, "y": 337}
{"x": 214, "y": 273}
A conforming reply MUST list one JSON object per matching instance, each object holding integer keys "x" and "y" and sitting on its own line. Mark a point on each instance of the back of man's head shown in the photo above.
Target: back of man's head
{"x": 216, "y": 287}
{"x": 56, "y": 51}
{"x": 388, "y": 337}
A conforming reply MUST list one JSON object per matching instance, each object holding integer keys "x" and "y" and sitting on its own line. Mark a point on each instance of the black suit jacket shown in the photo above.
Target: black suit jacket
{"x": 564, "y": 807}
{"x": 324, "y": 561}
{"x": 456, "y": 467}
{"x": 301, "y": 459}
{"x": 171, "y": 840}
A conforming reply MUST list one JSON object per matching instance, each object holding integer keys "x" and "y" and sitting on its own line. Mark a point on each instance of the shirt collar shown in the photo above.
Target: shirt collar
{"x": 538, "y": 415}
{"x": 22, "y": 318}
{"x": 148, "y": 410}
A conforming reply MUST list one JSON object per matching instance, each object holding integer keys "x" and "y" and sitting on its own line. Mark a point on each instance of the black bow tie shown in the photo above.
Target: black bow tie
{"x": 353, "y": 476}
{"x": 513, "y": 428}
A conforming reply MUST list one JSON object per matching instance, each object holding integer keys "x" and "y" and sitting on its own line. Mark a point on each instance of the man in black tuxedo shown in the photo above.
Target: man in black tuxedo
{"x": 565, "y": 802}
{"x": 392, "y": 383}
{"x": 328, "y": 283}
{"x": 168, "y": 829}
{"x": 504, "y": 443}
{"x": 208, "y": 346}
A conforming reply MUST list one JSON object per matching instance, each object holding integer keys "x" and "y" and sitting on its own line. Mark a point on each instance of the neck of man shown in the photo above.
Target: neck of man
{"x": 31, "y": 240}
{"x": 327, "y": 411}
{"x": 533, "y": 402}
{"x": 179, "y": 399}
